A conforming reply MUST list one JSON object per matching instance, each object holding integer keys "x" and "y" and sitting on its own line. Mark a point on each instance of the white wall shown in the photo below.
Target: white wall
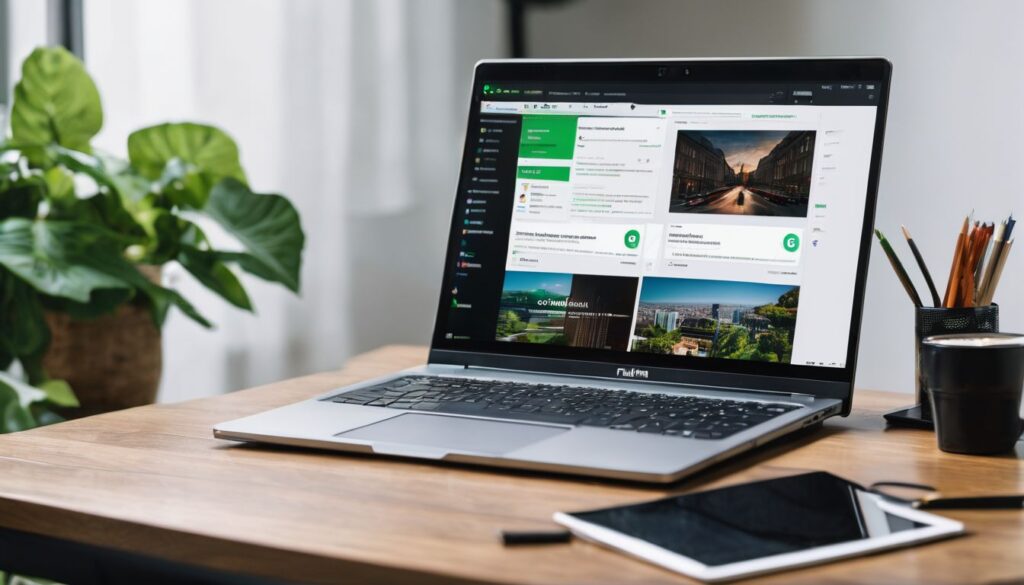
{"x": 956, "y": 116}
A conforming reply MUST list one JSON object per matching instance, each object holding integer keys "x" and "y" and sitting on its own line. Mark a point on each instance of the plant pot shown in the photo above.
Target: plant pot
{"x": 111, "y": 362}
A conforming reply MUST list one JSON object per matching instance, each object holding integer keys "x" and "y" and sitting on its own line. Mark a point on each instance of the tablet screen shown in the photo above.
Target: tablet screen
{"x": 755, "y": 520}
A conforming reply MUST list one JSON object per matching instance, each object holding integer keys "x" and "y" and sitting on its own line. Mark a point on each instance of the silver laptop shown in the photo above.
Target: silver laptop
{"x": 652, "y": 265}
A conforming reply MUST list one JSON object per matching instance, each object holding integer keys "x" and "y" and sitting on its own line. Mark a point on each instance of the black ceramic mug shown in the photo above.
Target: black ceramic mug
{"x": 975, "y": 381}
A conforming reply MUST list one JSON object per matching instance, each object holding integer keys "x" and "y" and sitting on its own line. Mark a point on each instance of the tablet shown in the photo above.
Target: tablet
{"x": 759, "y": 527}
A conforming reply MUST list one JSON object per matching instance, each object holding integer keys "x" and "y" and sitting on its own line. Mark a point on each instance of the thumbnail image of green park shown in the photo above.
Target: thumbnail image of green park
{"x": 716, "y": 319}
{"x": 532, "y": 307}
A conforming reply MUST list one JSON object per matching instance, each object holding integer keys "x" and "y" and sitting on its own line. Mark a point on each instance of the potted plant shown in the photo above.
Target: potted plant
{"x": 83, "y": 236}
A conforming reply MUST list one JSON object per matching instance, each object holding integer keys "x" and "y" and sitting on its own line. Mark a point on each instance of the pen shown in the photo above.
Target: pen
{"x": 897, "y": 266}
{"x": 936, "y": 301}
{"x": 972, "y": 503}
{"x": 514, "y": 538}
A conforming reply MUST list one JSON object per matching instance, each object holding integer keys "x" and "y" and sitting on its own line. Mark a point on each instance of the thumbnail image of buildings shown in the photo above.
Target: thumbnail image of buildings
{"x": 700, "y": 169}
{"x": 564, "y": 309}
{"x": 532, "y": 307}
{"x": 742, "y": 172}
{"x": 666, "y": 319}
{"x": 784, "y": 174}
{"x": 716, "y": 318}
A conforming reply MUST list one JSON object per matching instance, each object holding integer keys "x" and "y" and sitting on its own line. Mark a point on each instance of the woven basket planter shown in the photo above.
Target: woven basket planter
{"x": 111, "y": 362}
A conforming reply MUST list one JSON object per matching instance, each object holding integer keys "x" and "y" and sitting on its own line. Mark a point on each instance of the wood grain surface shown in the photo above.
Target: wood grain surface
{"x": 154, "y": 481}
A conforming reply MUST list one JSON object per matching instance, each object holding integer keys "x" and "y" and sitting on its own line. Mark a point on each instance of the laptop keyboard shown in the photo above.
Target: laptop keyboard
{"x": 665, "y": 414}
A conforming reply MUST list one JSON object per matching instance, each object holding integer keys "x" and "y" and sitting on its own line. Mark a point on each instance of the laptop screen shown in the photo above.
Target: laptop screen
{"x": 685, "y": 215}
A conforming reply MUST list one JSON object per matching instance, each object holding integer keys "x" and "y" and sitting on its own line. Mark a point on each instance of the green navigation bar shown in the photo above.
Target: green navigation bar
{"x": 548, "y": 137}
{"x": 543, "y": 173}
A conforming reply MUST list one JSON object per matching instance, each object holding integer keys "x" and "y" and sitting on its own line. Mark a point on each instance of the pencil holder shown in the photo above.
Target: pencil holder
{"x": 930, "y": 321}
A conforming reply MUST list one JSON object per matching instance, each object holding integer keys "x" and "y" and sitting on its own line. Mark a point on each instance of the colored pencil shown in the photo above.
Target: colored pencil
{"x": 965, "y": 291}
{"x": 936, "y": 301}
{"x": 954, "y": 271}
{"x": 897, "y": 266}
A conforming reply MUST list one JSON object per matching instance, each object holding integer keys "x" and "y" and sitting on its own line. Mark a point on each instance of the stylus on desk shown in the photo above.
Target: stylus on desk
{"x": 515, "y": 538}
{"x": 972, "y": 503}
{"x": 932, "y": 499}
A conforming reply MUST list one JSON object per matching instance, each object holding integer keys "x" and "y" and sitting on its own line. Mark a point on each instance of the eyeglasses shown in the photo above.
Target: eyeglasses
{"x": 929, "y": 498}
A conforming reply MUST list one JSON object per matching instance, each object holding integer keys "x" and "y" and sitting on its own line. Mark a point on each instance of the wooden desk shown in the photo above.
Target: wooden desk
{"x": 154, "y": 481}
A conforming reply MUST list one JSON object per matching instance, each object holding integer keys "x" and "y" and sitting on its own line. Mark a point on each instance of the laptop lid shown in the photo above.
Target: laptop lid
{"x": 704, "y": 222}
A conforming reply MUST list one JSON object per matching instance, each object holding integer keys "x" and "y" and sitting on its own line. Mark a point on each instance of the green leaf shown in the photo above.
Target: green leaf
{"x": 72, "y": 260}
{"x": 188, "y": 158}
{"x": 61, "y": 184}
{"x": 184, "y": 185}
{"x": 59, "y": 258}
{"x": 56, "y": 102}
{"x": 59, "y": 393}
{"x": 106, "y": 207}
{"x": 161, "y": 297}
{"x": 111, "y": 212}
{"x": 23, "y": 328}
{"x": 81, "y": 162}
{"x": 15, "y": 417}
{"x": 109, "y": 172}
{"x": 163, "y": 230}
{"x": 215, "y": 275}
{"x": 21, "y": 198}
{"x": 266, "y": 225}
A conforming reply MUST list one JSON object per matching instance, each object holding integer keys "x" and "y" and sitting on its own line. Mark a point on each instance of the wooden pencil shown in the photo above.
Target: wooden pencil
{"x": 993, "y": 259}
{"x": 964, "y": 270}
{"x": 954, "y": 271}
{"x": 968, "y": 295}
{"x": 997, "y": 273}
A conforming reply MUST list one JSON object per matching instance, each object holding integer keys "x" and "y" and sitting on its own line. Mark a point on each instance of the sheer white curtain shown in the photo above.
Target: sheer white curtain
{"x": 355, "y": 110}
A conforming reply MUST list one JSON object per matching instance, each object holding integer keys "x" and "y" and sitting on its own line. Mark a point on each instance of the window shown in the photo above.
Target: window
{"x": 27, "y": 24}
{"x": 5, "y": 34}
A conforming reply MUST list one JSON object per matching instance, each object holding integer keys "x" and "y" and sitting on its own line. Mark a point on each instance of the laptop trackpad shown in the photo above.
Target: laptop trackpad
{"x": 426, "y": 435}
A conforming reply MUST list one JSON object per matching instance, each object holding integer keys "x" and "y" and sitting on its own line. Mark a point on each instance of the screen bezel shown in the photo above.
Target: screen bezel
{"x": 821, "y": 381}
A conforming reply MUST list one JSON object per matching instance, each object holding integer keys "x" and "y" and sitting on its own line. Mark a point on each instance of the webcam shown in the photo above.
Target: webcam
{"x": 666, "y": 72}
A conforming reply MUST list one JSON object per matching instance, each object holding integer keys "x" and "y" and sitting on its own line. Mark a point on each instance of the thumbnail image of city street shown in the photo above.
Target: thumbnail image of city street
{"x": 716, "y": 318}
{"x": 565, "y": 309}
{"x": 742, "y": 172}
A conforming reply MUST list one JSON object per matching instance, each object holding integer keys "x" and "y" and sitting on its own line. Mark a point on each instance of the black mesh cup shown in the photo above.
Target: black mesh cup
{"x": 939, "y": 321}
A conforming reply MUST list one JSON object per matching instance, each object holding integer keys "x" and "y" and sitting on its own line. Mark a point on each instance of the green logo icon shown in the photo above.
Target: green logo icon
{"x": 791, "y": 242}
{"x": 632, "y": 239}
